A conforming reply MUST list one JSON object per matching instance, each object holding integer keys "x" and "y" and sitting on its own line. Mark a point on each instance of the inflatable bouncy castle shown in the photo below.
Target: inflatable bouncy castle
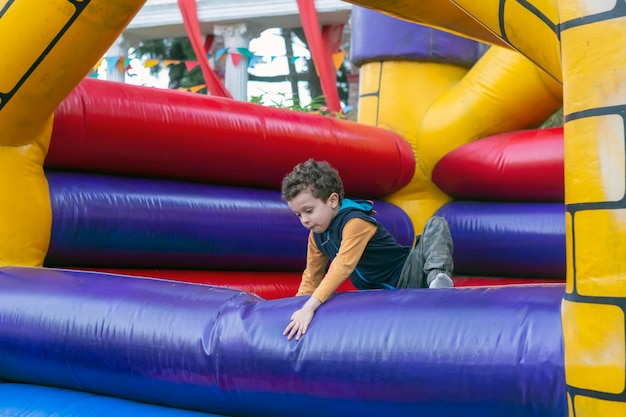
{"x": 147, "y": 262}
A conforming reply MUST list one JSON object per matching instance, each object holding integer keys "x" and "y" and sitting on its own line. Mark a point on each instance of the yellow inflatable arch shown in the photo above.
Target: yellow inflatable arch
{"x": 59, "y": 41}
{"x": 560, "y": 48}
{"x": 556, "y": 48}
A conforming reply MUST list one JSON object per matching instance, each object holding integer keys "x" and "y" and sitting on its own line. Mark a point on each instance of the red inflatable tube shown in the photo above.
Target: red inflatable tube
{"x": 268, "y": 285}
{"x": 515, "y": 166}
{"x": 273, "y": 285}
{"x": 111, "y": 127}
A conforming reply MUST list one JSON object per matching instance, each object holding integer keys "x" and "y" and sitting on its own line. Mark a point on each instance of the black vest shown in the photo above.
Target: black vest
{"x": 383, "y": 258}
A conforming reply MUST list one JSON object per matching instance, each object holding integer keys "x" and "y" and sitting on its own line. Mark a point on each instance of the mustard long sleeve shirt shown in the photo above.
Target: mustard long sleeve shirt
{"x": 355, "y": 237}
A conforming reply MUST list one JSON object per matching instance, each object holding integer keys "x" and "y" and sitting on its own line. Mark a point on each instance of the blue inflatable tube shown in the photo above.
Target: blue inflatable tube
{"x": 487, "y": 352}
{"x": 507, "y": 239}
{"x": 107, "y": 221}
{"x": 22, "y": 400}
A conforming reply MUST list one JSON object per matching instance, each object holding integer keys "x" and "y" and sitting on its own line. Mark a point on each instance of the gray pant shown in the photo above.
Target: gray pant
{"x": 431, "y": 255}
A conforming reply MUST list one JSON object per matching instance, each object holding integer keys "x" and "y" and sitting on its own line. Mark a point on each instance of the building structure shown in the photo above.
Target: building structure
{"x": 235, "y": 24}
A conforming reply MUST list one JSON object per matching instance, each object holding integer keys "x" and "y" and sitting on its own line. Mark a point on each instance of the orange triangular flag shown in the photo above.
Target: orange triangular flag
{"x": 338, "y": 59}
{"x": 197, "y": 88}
{"x": 121, "y": 65}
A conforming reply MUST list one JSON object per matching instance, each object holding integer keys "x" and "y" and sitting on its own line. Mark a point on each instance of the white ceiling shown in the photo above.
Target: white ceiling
{"x": 162, "y": 19}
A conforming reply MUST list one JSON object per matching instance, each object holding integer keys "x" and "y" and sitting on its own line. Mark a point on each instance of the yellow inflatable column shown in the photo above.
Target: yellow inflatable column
{"x": 593, "y": 35}
{"x": 405, "y": 67}
{"x": 504, "y": 91}
{"x": 47, "y": 49}
{"x": 439, "y": 106}
{"x": 396, "y": 95}
{"x": 25, "y": 214}
{"x": 59, "y": 41}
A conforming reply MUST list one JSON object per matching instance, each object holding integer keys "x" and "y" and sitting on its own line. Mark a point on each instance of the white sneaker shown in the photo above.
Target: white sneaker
{"x": 441, "y": 281}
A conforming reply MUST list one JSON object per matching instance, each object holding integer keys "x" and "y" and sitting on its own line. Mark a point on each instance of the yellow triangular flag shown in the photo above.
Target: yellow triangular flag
{"x": 151, "y": 63}
{"x": 95, "y": 67}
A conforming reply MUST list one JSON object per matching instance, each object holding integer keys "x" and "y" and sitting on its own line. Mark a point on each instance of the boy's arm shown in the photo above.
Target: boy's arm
{"x": 355, "y": 237}
{"x": 316, "y": 263}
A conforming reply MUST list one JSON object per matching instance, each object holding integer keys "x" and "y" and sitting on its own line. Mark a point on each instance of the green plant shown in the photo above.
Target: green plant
{"x": 555, "y": 120}
{"x": 316, "y": 105}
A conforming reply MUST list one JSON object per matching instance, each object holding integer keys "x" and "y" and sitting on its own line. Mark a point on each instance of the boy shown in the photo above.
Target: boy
{"x": 344, "y": 232}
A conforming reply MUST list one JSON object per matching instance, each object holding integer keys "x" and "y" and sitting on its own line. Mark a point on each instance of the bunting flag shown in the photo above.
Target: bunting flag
{"x": 245, "y": 51}
{"x": 151, "y": 63}
{"x": 95, "y": 67}
{"x": 188, "y": 9}
{"x": 168, "y": 62}
{"x": 235, "y": 57}
{"x": 191, "y": 65}
{"x": 123, "y": 64}
{"x": 338, "y": 59}
{"x": 112, "y": 63}
{"x": 193, "y": 88}
{"x": 254, "y": 59}
{"x": 220, "y": 54}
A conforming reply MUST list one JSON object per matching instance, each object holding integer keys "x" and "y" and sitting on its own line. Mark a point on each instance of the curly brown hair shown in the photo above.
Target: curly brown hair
{"x": 317, "y": 176}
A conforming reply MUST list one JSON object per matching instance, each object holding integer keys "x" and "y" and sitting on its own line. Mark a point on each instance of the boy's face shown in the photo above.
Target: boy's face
{"x": 314, "y": 214}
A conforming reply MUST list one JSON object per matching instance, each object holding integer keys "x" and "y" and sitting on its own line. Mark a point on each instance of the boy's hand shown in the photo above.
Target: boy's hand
{"x": 301, "y": 319}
